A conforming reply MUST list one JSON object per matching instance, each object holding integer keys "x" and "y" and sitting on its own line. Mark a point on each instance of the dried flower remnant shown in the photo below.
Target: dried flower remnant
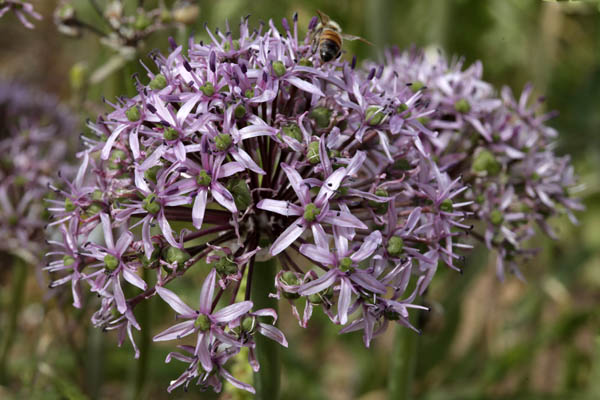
{"x": 500, "y": 145}
{"x": 22, "y": 10}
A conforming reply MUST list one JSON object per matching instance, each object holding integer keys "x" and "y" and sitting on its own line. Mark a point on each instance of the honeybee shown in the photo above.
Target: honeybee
{"x": 328, "y": 37}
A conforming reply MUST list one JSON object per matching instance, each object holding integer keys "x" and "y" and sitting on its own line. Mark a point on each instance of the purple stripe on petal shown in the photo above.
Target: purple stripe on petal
{"x": 344, "y": 300}
{"x": 343, "y": 219}
{"x": 233, "y": 311}
{"x": 223, "y": 197}
{"x": 177, "y": 331}
{"x": 199, "y": 208}
{"x": 206, "y": 293}
{"x": 305, "y": 86}
{"x": 272, "y": 333}
{"x": 134, "y": 279}
{"x": 288, "y": 236}
{"x": 174, "y": 301}
{"x": 119, "y": 296}
{"x": 238, "y": 384}
{"x": 367, "y": 248}
{"x": 319, "y": 284}
{"x": 203, "y": 352}
{"x": 297, "y": 183}
{"x": 108, "y": 236}
{"x": 319, "y": 254}
{"x": 279, "y": 207}
{"x": 367, "y": 281}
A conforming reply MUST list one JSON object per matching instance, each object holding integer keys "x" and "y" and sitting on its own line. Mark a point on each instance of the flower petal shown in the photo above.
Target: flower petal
{"x": 272, "y": 333}
{"x": 174, "y": 301}
{"x": 319, "y": 284}
{"x": 232, "y": 311}
{"x": 288, "y": 236}
{"x": 177, "y": 331}
{"x": 207, "y": 291}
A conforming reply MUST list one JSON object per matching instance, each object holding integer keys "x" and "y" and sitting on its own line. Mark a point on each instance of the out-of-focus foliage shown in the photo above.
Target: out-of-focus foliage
{"x": 484, "y": 339}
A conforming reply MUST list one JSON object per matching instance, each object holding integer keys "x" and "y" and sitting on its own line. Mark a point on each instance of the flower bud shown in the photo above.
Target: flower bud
{"x": 223, "y": 141}
{"x": 462, "y": 106}
{"x": 241, "y": 193}
{"x": 151, "y": 204}
{"x": 249, "y": 324}
{"x": 202, "y": 323}
{"x": 496, "y": 217}
{"x": 446, "y": 205}
{"x": 305, "y": 62}
{"x": 175, "y": 255}
{"x": 374, "y": 116}
{"x": 170, "y": 134}
{"x": 133, "y": 114}
{"x": 485, "y": 161}
{"x": 321, "y": 116}
{"x": 293, "y": 131}
{"x": 311, "y": 212}
{"x": 69, "y": 206}
{"x": 312, "y": 153}
{"x": 68, "y": 261}
{"x": 159, "y": 82}
{"x": 346, "y": 264}
{"x": 225, "y": 266}
{"x": 416, "y": 86}
{"x": 395, "y": 246}
{"x": 402, "y": 108}
{"x": 111, "y": 262}
{"x": 208, "y": 89}
{"x": 279, "y": 68}
{"x": 240, "y": 111}
{"x": 379, "y": 208}
{"x": 150, "y": 173}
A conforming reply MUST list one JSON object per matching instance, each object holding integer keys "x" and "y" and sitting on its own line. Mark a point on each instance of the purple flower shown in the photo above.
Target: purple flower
{"x": 208, "y": 325}
{"x": 21, "y": 9}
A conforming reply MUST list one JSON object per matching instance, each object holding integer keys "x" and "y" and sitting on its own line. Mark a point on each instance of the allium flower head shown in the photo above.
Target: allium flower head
{"x": 250, "y": 148}
{"x": 500, "y": 145}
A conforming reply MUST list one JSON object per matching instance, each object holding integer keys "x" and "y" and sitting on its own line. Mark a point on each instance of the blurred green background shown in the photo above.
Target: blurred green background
{"x": 483, "y": 340}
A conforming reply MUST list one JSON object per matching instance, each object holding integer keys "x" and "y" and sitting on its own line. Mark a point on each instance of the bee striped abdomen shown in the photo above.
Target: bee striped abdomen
{"x": 330, "y": 44}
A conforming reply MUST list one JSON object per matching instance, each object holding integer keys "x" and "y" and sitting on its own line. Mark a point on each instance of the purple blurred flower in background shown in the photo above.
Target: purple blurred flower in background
{"x": 34, "y": 142}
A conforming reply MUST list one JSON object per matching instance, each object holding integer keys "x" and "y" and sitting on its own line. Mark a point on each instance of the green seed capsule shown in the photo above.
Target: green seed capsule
{"x": 395, "y": 246}
{"x": 133, "y": 114}
{"x": 279, "y": 68}
{"x": 159, "y": 82}
{"x": 312, "y": 154}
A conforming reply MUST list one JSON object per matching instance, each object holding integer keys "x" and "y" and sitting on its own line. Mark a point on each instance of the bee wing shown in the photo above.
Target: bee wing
{"x": 352, "y": 37}
{"x": 323, "y": 17}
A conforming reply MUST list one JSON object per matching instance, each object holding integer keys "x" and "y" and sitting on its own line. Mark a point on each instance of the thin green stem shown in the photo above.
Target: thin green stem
{"x": 18, "y": 288}
{"x": 403, "y": 364}
{"x": 267, "y": 379}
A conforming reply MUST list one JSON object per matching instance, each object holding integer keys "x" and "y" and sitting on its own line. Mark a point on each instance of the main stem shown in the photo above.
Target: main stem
{"x": 267, "y": 379}
{"x": 18, "y": 286}
{"x": 404, "y": 363}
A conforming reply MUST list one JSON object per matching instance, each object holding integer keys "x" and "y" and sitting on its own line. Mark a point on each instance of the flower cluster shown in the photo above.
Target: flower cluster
{"x": 30, "y": 155}
{"x": 248, "y": 149}
{"x": 500, "y": 146}
{"x": 21, "y": 9}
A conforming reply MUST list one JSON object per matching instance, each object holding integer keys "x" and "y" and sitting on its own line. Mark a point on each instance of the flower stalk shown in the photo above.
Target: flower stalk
{"x": 267, "y": 379}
